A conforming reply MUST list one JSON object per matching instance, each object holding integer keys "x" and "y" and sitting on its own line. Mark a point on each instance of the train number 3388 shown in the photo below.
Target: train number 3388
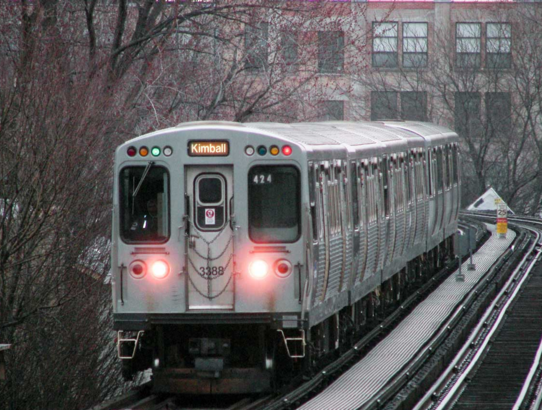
{"x": 211, "y": 271}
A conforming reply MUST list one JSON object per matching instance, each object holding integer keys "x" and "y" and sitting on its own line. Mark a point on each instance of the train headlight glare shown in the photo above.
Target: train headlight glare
{"x": 258, "y": 269}
{"x": 283, "y": 268}
{"x": 131, "y": 151}
{"x": 155, "y": 151}
{"x": 160, "y": 269}
{"x": 287, "y": 150}
{"x": 168, "y": 151}
{"x": 143, "y": 151}
{"x": 249, "y": 150}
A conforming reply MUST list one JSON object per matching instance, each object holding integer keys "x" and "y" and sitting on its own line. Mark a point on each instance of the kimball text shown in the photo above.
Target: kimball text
{"x": 208, "y": 148}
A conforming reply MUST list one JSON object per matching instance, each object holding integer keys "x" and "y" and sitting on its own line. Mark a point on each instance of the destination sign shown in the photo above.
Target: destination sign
{"x": 208, "y": 148}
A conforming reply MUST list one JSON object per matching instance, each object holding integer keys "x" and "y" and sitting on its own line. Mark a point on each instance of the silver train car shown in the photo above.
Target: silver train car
{"x": 244, "y": 254}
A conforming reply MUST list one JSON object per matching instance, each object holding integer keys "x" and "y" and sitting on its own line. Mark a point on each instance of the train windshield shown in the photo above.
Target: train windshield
{"x": 144, "y": 202}
{"x": 274, "y": 204}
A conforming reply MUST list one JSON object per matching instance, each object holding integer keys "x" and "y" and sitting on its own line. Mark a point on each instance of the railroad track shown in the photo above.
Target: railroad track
{"x": 326, "y": 376}
{"x": 394, "y": 396}
{"x": 499, "y": 366}
{"x": 141, "y": 398}
{"x": 405, "y": 387}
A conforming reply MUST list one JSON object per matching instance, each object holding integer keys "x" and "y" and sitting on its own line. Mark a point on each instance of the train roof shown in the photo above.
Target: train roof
{"x": 384, "y": 136}
{"x": 360, "y": 134}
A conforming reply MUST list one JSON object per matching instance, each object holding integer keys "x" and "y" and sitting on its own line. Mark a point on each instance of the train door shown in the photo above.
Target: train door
{"x": 209, "y": 245}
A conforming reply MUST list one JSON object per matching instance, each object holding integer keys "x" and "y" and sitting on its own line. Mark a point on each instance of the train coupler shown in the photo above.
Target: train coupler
{"x": 295, "y": 342}
{"x": 127, "y": 344}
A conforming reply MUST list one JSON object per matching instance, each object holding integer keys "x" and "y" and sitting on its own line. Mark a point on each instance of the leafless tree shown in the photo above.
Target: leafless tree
{"x": 486, "y": 91}
{"x": 77, "y": 78}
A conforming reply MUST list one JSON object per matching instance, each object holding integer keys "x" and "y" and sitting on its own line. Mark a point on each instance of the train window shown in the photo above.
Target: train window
{"x": 452, "y": 165}
{"x": 409, "y": 169}
{"x": 274, "y": 204}
{"x": 429, "y": 164}
{"x": 440, "y": 170}
{"x": 322, "y": 220}
{"x": 420, "y": 177}
{"x": 329, "y": 199}
{"x": 354, "y": 184}
{"x": 400, "y": 181}
{"x": 210, "y": 190}
{"x": 385, "y": 169}
{"x": 144, "y": 204}
{"x": 313, "y": 175}
{"x": 455, "y": 164}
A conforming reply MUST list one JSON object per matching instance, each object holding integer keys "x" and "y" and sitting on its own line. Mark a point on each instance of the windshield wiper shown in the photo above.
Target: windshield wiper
{"x": 145, "y": 172}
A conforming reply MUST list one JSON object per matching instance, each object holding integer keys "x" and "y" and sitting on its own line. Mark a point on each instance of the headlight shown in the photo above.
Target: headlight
{"x": 258, "y": 269}
{"x": 160, "y": 269}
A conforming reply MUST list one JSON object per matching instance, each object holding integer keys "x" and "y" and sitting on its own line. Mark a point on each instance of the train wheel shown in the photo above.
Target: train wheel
{"x": 277, "y": 361}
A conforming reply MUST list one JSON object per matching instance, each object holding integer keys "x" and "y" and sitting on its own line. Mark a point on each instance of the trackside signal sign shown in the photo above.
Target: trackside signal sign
{"x": 502, "y": 218}
{"x": 208, "y": 148}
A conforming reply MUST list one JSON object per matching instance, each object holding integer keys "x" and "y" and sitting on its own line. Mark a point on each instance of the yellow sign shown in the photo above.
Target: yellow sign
{"x": 208, "y": 148}
{"x": 502, "y": 227}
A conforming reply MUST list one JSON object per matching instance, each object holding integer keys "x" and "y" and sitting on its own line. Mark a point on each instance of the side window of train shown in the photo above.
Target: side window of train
{"x": 430, "y": 163}
{"x": 455, "y": 164}
{"x": 448, "y": 162}
{"x": 341, "y": 198}
{"x": 440, "y": 170}
{"x": 321, "y": 200}
{"x": 384, "y": 170}
{"x": 354, "y": 192}
{"x": 409, "y": 173}
{"x": 336, "y": 175}
{"x": 330, "y": 202}
{"x": 421, "y": 176}
{"x": 330, "y": 221}
{"x": 362, "y": 194}
{"x": 312, "y": 199}
{"x": 401, "y": 180}
{"x": 344, "y": 195}
{"x": 375, "y": 191}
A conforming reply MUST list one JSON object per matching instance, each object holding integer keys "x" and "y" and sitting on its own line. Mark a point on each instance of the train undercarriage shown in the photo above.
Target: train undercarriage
{"x": 239, "y": 358}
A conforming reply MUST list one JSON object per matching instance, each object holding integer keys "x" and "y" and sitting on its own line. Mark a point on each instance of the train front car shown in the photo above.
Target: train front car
{"x": 207, "y": 257}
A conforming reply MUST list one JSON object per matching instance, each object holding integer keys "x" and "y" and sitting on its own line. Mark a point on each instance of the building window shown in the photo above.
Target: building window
{"x": 256, "y": 38}
{"x": 288, "y": 48}
{"x": 414, "y": 106}
{"x": 499, "y": 112}
{"x": 385, "y": 45}
{"x": 384, "y": 105}
{"x": 468, "y": 40}
{"x": 468, "y": 114}
{"x": 414, "y": 45}
{"x": 330, "y": 51}
{"x": 499, "y": 45}
{"x": 332, "y": 110}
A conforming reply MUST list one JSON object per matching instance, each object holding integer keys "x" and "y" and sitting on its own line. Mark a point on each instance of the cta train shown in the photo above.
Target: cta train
{"x": 244, "y": 254}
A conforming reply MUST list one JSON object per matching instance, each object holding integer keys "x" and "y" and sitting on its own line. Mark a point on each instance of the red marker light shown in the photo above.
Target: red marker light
{"x": 258, "y": 269}
{"x": 283, "y": 268}
{"x": 160, "y": 269}
{"x": 131, "y": 151}
{"x": 287, "y": 150}
{"x": 138, "y": 269}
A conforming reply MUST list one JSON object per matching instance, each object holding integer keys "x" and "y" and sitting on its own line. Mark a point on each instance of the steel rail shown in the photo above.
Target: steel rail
{"x": 404, "y": 375}
{"x": 392, "y": 388}
{"x": 452, "y": 382}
